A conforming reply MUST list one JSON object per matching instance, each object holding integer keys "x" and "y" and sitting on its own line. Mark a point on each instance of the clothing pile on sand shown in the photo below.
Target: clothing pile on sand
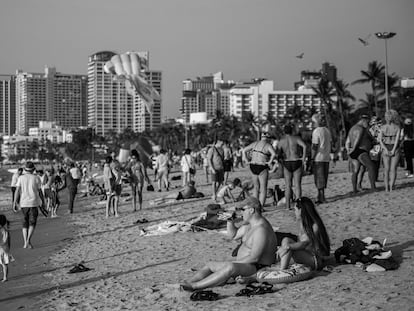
{"x": 367, "y": 253}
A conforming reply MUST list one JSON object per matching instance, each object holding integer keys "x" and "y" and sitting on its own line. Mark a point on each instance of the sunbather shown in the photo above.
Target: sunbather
{"x": 313, "y": 242}
{"x": 256, "y": 251}
{"x": 187, "y": 192}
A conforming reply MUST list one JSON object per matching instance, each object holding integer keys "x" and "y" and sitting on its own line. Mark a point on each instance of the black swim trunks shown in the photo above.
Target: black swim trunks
{"x": 292, "y": 166}
{"x": 259, "y": 266}
{"x": 356, "y": 153}
{"x": 258, "y": 168}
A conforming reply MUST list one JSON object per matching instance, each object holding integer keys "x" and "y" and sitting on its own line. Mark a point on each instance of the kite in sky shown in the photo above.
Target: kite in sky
{"x": 129, "y": 67}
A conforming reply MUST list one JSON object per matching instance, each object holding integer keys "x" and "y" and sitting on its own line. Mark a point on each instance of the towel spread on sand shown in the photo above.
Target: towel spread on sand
{"x": 166, "y": 227}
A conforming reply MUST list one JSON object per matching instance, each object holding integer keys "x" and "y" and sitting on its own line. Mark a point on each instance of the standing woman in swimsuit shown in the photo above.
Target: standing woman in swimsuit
{"x": 262, "y": 158}
{"x": 389, "y": 138}
{"x": 292, "y": 163}
{"x": 313, "y": 240}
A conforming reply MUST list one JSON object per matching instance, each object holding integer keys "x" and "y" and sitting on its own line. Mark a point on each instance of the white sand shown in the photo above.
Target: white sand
{"x": 142, "y": 273}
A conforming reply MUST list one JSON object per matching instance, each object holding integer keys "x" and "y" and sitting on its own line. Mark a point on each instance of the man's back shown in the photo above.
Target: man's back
{"x": 321, "y": 136}
{"x": 30, "y": 186}
{"x": 289, "y": 145}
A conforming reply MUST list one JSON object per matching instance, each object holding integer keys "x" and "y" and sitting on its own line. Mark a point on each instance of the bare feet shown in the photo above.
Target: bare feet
{"x": 187, "y": 287}
{"x": 4, "y": 280}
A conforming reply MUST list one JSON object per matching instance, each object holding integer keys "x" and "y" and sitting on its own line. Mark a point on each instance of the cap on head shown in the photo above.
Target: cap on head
{"x": 29, "y": 167}
{"x": 254, "y": 203}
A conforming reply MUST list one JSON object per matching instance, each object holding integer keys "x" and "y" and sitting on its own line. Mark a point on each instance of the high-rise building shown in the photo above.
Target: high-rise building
{"x": 7, "y": 104}
{"x": 205, "y": 94}
{"x": 50, "y": 96}
{"x": 260, "y": 98}
{"x": 110, "y": 107}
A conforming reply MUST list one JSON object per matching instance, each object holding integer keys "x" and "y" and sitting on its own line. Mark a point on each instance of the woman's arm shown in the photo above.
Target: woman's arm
{"x": 397, "y": 142}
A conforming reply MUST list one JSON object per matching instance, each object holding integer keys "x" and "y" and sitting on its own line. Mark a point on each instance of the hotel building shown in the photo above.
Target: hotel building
{"x": 50, "y": 96}
{"x": 7, "y": 104}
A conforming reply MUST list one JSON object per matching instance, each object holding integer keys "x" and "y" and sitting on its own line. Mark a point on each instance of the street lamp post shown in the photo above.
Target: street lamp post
{"x": 386, "y": 36}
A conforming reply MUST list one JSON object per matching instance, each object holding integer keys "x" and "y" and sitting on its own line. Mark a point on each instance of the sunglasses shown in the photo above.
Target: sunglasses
{"x": 242, "y": 209}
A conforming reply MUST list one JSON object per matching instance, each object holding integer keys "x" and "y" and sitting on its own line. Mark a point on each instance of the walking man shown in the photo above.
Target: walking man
{"x": 29, "y": 197}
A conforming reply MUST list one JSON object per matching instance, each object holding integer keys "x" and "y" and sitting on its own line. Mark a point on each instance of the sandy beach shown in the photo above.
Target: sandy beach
{"x": 134, "y": 272}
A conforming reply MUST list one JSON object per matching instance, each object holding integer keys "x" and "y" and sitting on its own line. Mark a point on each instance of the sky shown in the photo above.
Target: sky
{"x": 190, "y": 38}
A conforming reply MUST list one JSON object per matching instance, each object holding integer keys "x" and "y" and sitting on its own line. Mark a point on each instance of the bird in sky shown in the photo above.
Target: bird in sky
{"x": 300, "y": 55}
{"x": 365, "y": 40}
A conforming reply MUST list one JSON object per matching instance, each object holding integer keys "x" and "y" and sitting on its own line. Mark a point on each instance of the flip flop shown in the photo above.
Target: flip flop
{"x": 208, "y": 295}
{"x": 79, "y": 268}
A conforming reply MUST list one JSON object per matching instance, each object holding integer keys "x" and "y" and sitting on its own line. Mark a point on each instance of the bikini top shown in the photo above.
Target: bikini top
{"x": 389, "y": 133}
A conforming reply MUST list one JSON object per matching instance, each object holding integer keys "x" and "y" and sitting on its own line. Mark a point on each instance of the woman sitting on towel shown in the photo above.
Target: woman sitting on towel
{"x": 313, "y": 241}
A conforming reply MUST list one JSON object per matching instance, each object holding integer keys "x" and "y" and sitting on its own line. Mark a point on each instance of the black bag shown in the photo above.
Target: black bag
{"x": 150, "y": 187}
{"x": 192, "y": 171}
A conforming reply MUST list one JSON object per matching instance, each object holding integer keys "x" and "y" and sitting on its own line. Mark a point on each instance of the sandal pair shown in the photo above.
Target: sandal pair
{"x": 141, "y": 221}
{"x": 79, "y": 268}
{"x": 252, "y": 290}
{"x": 208, "y": 295}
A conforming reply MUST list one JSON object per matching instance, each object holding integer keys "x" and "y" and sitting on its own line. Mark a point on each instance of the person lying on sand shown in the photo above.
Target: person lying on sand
{"x": 256, "y": 251}
{"x": 187, "y": 192}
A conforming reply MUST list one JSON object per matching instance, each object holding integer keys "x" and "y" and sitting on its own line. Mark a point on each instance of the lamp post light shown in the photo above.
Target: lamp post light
{"x": 386, "y": 36}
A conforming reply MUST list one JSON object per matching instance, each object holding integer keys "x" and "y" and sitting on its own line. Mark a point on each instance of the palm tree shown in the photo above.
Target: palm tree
{"x": 342, "y": 95}
{"x": 325, "y": 92}
{"x": 373, "y": 76}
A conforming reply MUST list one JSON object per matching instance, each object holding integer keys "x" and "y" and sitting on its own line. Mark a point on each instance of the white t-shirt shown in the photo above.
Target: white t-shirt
{"x": 30, "y": 186}
{"x": 322, "y": 137}
{"x": 15, "y": 177}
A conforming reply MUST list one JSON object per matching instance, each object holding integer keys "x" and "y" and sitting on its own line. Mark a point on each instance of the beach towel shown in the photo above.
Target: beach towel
{"x": 166, "y": 227}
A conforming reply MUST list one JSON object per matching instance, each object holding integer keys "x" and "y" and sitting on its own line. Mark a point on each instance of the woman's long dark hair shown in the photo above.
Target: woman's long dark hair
{"x": 310, "y": 216}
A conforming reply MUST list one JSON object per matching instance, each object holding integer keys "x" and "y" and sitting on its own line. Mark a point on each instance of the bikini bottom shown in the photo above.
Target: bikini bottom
{"x": 259, "y": 266}
{"x": 292, "y": 166}
{"x": 356, "y": 153}
{"x": 258, "y": 168}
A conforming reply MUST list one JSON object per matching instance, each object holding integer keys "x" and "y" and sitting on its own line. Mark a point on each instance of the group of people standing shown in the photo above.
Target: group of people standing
{"x": 371, "y": 143}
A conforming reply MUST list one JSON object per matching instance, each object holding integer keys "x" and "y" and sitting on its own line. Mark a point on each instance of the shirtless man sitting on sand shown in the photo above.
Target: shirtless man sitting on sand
{"x": 359, "y": 143}
{"x": 257, "y": 250}
{"x": 292, "y": 163}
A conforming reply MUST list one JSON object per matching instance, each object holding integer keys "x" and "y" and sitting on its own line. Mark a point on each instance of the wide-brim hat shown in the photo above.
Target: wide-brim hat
{"x": 29, "y": 167}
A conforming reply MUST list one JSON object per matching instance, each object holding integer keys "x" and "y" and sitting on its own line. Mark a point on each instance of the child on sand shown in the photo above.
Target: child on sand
{"x": 5, "y": 256}
{"x": 225, "y": 192}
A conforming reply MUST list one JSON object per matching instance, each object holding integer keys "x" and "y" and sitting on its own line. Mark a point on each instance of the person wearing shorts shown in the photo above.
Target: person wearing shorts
{"x": 215, "y": 156}
{"x": 321, "y": 155}
{"x": 29, "y": 197}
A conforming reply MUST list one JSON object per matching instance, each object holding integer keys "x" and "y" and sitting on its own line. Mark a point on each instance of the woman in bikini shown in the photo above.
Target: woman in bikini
{"x": 137, "y": 175}
{"x": 389, "y": 137}
{"x": 262, "y": 156}
{"x": 292, "y": 163}
{"x": 313, "y": 241}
